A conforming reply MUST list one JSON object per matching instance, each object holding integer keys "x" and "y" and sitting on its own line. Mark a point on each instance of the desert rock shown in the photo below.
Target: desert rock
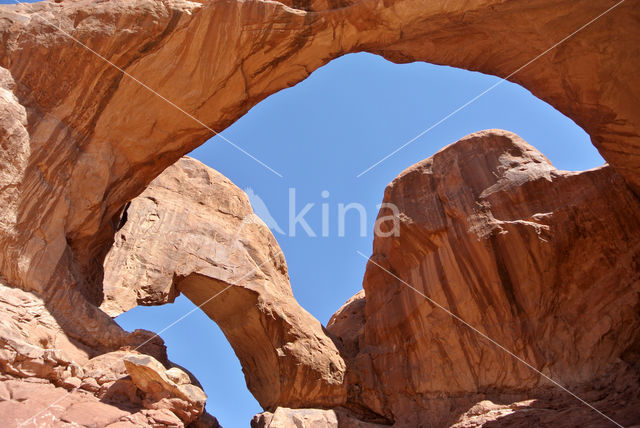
{"x": 530, "y": 256}
{"x": 76, "y": 148}
{"x": 80, "y": 149}
{"x": 47, "y": 379}
{"x": 284, "y": 417}
{"x": 184, "y": 402}
{"x": 193, "y": 231}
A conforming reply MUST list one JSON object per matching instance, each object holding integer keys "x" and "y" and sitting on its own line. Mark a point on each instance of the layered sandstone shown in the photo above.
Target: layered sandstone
{"x": 86, "y": 138}
{"x": 542, "y": 261}
{"x": 48, "y": 380}
{"x": 80, "y": 139}
{"x": 193, "y": 231}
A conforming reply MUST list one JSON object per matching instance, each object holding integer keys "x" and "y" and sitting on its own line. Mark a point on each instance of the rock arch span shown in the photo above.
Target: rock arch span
{"x": 78, "y": 123}
{"x": 77, "y": 148}
{"x": 192, "y": 231}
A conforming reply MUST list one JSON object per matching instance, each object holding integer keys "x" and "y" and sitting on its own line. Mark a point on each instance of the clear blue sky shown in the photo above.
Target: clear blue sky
{"x": 319, "y": 135}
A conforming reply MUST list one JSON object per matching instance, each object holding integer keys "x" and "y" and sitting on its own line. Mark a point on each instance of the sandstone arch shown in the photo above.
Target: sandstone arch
{"x": 217, "y": 59}
{"x": 192, "y": 231}
{"x": 76, "y": 149}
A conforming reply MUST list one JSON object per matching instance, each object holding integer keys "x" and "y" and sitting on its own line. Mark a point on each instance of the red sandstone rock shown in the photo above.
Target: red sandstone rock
{"x": 47, "y": 380}
{"x": 192, "y": 231}
{"x": 544, "y": 262}
{"x": 88, "y": 149}
{"x": 75, "y": 149}
{"x": 182, "y": 401}
{"x": 284, "y": 417}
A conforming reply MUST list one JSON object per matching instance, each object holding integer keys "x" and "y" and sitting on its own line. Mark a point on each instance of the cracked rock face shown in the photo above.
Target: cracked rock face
{"x": 544, "y": 262}
{"x": 48, "y": 380}
{"x": 192, "y": 231}
{"x": 80, "y": 139}
{"x": 81, "y": 148}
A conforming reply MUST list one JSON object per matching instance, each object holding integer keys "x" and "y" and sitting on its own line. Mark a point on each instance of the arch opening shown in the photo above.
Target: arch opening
{"x": 334, "y": 108}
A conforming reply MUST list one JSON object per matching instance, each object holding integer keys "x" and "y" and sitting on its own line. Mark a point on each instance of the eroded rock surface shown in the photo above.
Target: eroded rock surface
{"x": 193, "y": 231}
{"x": 544, "y": 262}
{"x": 79, "y": 139}
{"x": 47, "y": 379}
{"x": 284, "y": 417}
{"x": 86, "y": 138}
{"x": 164, "y": 389}
{"x": 111, "y": 400}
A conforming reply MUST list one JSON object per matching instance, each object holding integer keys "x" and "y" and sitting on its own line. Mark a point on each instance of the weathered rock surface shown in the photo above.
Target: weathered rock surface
{"x": 192, "y": 231}
{"x": 284, "y": 417}
{"x": 31, "y": 402}
{"x": 79, "y": 140}
{"x": 80, "y": 148}
{"x": 544, "y": 262}
{"x": 47, "y": 379}
{"x": 347, "y": 324}
{"x": 165, "y": 389}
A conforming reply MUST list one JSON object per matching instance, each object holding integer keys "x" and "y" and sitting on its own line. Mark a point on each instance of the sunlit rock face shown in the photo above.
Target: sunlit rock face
{"x": 321, "y": 418}
{"x": 87, "y": 138}
{"x": 84, "y": 131}
{"x": 193, "y": 231}
{"x": 49, "y": 380}
{"x": 542, "y": 261}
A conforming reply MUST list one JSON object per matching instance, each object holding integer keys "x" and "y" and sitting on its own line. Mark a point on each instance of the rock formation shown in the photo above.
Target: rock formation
{"x": 284, "y": 417}
{"x": 192, "y": 231}
{"x": 544, "y": 262}
{"x": 47, "y": 380}
{"x": 165, "y": 389}
{"x": 98, "y": 98}
{"x": 80, "y": 148}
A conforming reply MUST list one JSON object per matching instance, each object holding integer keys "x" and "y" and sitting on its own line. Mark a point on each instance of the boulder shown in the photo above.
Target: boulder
{"x": 182, "y": 401}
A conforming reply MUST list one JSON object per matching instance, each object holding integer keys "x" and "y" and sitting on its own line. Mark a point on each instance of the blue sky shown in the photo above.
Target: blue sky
{"x": 320, "y": 135}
